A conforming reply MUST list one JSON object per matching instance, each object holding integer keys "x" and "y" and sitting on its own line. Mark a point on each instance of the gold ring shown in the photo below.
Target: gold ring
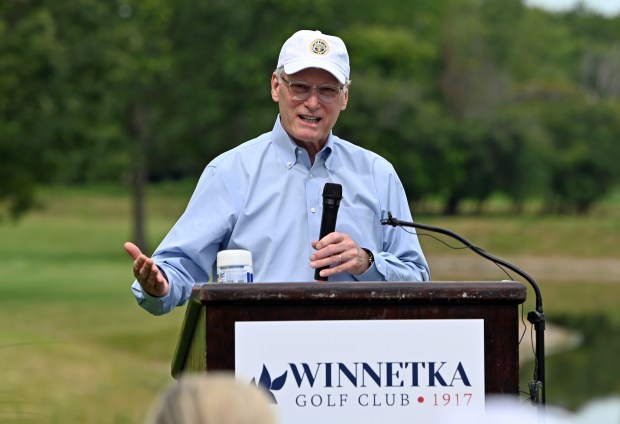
{"x": 339, "y": 259}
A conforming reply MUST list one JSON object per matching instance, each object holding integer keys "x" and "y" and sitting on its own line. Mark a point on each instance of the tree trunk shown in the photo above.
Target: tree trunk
{"x": 451, "y": 206}
{"x": 139, "y": 130}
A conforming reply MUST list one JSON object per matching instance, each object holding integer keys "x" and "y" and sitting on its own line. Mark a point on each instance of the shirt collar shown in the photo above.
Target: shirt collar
{"x": 325, "y": 155}
{"x": 285, "y": 147}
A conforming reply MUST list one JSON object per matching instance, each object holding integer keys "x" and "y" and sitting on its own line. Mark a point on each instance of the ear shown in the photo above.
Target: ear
{"x": 346, "y": 99}
{"x": 275, "y": 85}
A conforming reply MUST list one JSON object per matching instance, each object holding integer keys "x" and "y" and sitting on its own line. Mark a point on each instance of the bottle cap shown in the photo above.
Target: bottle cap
{"x": 234, "y": 257}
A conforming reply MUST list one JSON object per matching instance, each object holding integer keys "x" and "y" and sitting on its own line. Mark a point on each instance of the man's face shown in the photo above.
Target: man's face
{"x": 309, "y": 120}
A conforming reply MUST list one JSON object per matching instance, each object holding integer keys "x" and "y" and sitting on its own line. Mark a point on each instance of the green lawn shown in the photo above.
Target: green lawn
{"x": 75, "y": 347}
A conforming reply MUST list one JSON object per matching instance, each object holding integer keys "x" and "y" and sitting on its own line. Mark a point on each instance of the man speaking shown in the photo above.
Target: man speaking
{"x": 266, "y": 195}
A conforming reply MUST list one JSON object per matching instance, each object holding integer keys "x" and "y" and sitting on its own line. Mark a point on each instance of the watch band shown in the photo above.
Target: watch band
{"x": 371, "y": 257}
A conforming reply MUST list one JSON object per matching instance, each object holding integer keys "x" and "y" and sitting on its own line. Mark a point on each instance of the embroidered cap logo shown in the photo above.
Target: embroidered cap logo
{"x": 319, "y": 47}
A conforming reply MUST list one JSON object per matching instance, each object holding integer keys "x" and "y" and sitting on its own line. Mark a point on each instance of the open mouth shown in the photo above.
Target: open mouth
{"x": 310, "y": 119}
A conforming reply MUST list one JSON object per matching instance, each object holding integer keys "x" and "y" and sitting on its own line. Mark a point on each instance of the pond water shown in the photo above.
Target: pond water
{"x": 582, "y": 376}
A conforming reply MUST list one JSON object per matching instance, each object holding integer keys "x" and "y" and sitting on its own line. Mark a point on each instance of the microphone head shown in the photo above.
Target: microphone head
{"x": 332, "y": 191}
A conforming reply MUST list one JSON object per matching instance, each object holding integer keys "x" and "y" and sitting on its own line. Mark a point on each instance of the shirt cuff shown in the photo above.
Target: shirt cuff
{"x": 374, "y": 272}
{"x": 154, "y": 305}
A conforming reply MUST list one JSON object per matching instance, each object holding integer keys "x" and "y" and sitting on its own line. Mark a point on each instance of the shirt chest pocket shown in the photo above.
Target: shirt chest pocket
{"x": 361, "y": 224}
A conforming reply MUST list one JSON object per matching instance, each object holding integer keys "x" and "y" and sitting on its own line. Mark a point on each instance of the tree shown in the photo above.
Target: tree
{"x": 30, "y": 62}
{"x": 455, "y": 93}
{"x": 583, "y": 164}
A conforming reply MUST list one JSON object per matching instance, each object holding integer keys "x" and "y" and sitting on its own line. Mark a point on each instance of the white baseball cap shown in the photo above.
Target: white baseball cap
{"x": 313, "y": 49}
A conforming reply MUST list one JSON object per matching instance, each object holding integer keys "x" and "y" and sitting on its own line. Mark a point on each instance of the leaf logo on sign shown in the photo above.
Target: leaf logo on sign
{"x": 270, "y": 385}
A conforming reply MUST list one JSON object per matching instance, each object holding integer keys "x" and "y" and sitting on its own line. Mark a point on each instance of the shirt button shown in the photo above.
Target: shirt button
{"x": 312, "y": 210}
{"x": 310, "y": 176}
{"x": 288, "y": 164}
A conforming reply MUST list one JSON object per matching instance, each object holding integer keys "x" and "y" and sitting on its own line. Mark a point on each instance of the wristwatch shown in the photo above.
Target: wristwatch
{"x": 371, "y": 257}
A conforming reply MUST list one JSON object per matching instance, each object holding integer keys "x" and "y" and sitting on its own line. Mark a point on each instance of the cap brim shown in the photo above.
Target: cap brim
{"x": 299, "y": 65}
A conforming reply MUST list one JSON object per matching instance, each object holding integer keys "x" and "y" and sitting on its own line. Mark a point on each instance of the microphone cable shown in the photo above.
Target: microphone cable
{"x": 537, "y": 389}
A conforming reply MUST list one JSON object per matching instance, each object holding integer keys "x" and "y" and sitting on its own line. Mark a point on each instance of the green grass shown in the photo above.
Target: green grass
{"x": 76, "y": 348}
{"x": 592, "y": 236}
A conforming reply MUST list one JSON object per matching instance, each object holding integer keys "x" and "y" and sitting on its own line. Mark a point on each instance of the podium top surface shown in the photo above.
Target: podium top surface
{"x": 404, "y": 292}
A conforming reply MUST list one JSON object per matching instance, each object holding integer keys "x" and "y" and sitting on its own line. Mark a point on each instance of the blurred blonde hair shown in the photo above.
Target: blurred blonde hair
{"x": 214, "y": 398}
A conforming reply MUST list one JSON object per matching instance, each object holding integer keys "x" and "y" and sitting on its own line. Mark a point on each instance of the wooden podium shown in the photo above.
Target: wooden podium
{"x": 207, "y": 339}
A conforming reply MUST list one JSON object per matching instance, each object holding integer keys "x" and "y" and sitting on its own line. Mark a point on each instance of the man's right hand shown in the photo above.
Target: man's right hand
{"x": 147, "y": 273}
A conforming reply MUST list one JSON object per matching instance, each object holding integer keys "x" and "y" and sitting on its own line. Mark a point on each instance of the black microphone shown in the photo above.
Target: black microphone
{"x": 536, "y": 317}
{"x": 332, "y": 194}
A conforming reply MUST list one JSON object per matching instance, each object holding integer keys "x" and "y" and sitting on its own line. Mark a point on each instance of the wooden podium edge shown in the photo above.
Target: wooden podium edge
{"x": 191, "y": 324}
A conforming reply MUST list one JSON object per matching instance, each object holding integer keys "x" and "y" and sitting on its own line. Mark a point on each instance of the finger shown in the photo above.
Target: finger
{"x": 331, "y": 238}
{"x": 327, "y": 252}
{"x": 329, "y": 271}
{"x": 146, "y": 270}
{"x": 132, "y": 250}
{"x": 329, "y": 261}
{"x": 156, "y": 276}
{"x": 137, "y": 266}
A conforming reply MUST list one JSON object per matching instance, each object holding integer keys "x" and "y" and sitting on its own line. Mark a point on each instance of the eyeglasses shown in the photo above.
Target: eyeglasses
{"x": 300, "y": 90}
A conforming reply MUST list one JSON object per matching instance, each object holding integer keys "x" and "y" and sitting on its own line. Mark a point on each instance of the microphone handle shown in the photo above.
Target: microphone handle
{"x": 328, "y": 225}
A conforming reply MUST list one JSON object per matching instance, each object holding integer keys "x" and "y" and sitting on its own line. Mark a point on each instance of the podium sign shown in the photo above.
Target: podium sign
{"x": 396, "y": 371}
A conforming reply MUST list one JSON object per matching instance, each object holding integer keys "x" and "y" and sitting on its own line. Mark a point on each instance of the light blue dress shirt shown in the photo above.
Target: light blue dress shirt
{"x": 265, "y": 196}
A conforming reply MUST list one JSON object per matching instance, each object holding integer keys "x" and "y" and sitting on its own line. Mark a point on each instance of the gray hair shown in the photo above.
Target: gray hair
{"x": 213, "y": 398}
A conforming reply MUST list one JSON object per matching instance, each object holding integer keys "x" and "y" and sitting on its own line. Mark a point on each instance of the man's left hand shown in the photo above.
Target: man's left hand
{"x": 340, "y": 253}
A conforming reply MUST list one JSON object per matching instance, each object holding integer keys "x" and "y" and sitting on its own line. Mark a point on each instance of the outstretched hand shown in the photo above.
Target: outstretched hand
{"x": 146, "y": 272}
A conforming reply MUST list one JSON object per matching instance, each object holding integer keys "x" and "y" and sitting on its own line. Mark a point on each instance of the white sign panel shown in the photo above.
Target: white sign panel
{"x": 392, "y": 371}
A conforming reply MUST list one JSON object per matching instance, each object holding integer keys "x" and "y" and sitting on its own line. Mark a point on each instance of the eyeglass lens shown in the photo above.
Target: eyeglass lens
{"x": 301, "y": 90}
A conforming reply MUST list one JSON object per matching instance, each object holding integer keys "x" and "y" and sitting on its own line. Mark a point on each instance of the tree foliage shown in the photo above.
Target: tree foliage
{"x": 467, "y": 98}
